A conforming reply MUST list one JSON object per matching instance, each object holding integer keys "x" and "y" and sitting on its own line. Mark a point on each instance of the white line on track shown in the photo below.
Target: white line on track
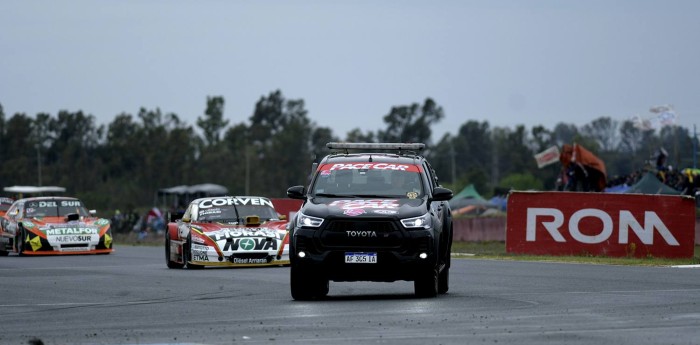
{"x": 686, "y": 266}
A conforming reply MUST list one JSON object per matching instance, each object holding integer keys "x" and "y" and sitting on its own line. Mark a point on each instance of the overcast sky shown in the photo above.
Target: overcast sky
{"x": 505, "y": 62}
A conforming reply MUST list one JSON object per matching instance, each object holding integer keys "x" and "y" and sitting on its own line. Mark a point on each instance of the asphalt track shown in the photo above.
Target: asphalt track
{"x": 130, "y": 297}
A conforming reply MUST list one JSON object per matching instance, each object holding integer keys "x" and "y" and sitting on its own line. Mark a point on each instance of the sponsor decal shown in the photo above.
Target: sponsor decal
{"x": 199, "y": 256}
{"x": 70, "y": 239}
{"x": 247, "y": 244}
{"x": 199, "y": 247}
{"x": 230, "y": 201}
{"x": 244, "y": 232}
{"x": 325, "y": 173}
{"x": 354, "y": 212}
{"x": 71, "y": 203}
{"x": 102, "y": 222}
{"x": 561, "y": 223}
{"x": 108, "y": 241}
{"x": 74, "y": 249}
{"x": 249, "y": 261}
{"x": 210, "y": 211}
{"x": 385, "y": 212}
{"x": 34, "y": 242}
{"x": 370, "y": 166}
{"x": 44, "y": 204}
{"x": 70, "y": 231}
{"x": 371, "y": 204}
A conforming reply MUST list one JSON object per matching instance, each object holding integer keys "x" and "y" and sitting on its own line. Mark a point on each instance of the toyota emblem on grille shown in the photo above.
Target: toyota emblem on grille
{"x": 353, "y": 233}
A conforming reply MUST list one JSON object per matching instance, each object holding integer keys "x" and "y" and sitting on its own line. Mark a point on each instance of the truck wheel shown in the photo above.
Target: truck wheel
{"x": 444, "y": 275}
{"x": 305, "y": 286}
{"x": 444, "y": 280}
{"x": 426, "y": 283}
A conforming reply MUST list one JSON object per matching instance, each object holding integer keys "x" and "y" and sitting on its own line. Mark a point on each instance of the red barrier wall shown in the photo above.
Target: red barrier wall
{"x": 286, "y": 206}
{"x": 479, "y": 229}
{"x": 560, "y": 223}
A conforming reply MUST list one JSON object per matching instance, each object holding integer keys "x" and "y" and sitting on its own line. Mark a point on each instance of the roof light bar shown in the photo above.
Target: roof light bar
{"x": 376, "y": 146}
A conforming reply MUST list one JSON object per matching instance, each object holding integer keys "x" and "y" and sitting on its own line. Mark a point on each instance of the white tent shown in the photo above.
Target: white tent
{"x": 34, "y": 189}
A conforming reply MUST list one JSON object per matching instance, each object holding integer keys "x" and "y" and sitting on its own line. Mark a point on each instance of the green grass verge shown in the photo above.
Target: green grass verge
{"x": 497, "y": 250}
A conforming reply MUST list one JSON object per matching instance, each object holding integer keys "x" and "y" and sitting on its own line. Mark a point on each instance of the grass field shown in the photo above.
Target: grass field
{"x": 477, "y": 250}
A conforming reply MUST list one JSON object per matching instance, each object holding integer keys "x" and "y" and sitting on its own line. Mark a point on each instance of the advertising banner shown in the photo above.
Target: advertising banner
{"x": 600, "y": 224}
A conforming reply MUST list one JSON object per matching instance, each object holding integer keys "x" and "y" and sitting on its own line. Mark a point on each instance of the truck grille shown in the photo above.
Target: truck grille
{"x": 366, "y": 234}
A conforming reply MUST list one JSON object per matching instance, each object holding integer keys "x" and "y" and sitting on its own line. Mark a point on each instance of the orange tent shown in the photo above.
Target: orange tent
{"x": 579, "y": 155}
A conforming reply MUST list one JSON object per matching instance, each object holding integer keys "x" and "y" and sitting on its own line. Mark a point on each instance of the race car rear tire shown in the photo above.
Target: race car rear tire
{"x": 187, "y": 252}
{"x": 306, "y": 286}
{"x": 426, "y": 283}
{"x": 171, "y": 264}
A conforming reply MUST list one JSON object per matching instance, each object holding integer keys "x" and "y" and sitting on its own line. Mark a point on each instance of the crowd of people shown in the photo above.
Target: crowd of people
{"x": 578, "y": 176}
{"x": 152, "y": 221}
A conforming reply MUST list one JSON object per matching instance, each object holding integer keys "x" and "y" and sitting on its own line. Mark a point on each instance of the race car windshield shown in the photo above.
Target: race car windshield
{"x": 368, "y": 182}
{"x": 264, "y": 212}
{"x": 54, "y": 208}
{"x": 218, "y": 214}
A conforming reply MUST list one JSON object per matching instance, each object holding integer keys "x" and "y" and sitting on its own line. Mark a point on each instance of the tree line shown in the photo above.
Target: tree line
{"x": 122, "y": 164}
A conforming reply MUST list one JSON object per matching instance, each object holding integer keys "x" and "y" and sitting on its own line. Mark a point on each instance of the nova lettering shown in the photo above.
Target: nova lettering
{"x": 250, "y": 244}
{"x": 626, "y": 222}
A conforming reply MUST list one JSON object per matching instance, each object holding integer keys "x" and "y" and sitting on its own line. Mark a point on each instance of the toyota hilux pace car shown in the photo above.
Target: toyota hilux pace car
{"x": 379, "y": 215}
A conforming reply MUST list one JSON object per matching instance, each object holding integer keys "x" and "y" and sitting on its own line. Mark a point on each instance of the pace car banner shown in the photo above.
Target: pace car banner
{"x": 634, "y": 225}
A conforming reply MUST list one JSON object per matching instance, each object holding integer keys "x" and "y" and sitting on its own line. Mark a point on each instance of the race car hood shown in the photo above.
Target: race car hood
{"x": 219, "y": 231}
{"x": 400, "y": 208}
{"x": 59, "y": 226}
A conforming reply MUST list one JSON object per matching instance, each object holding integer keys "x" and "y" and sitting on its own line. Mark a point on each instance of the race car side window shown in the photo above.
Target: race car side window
{"x": 189, "y": 212}
{"x": 13, "y": 211}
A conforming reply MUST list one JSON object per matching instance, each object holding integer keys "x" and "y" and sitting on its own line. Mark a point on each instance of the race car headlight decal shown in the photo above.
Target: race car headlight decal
{"x": 308, "y": 221}
{"x": 421, "y": 222}
{"x": 108, "y": 241}
{"x": 197, "y": 237}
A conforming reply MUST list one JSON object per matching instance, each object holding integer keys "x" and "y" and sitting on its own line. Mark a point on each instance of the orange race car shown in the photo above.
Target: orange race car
{"x": 53, "y": 225}
{"x": 5, "y": 203}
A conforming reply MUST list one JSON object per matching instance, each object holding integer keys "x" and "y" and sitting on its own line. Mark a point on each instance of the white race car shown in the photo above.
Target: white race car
{"x": 227, "y": 231}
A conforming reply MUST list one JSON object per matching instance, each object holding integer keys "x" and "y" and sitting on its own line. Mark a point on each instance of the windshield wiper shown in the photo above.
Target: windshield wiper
{"x": 329, "y": 195}
{"x": 372, "y": 196}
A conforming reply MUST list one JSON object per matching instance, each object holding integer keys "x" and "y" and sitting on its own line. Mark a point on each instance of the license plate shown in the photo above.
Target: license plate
{"x": 360, "y": 258}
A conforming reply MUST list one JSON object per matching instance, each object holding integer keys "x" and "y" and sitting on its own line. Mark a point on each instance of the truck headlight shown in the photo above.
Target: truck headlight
{"x": 420, "y": 222}
{"x": 308, "y": 221}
